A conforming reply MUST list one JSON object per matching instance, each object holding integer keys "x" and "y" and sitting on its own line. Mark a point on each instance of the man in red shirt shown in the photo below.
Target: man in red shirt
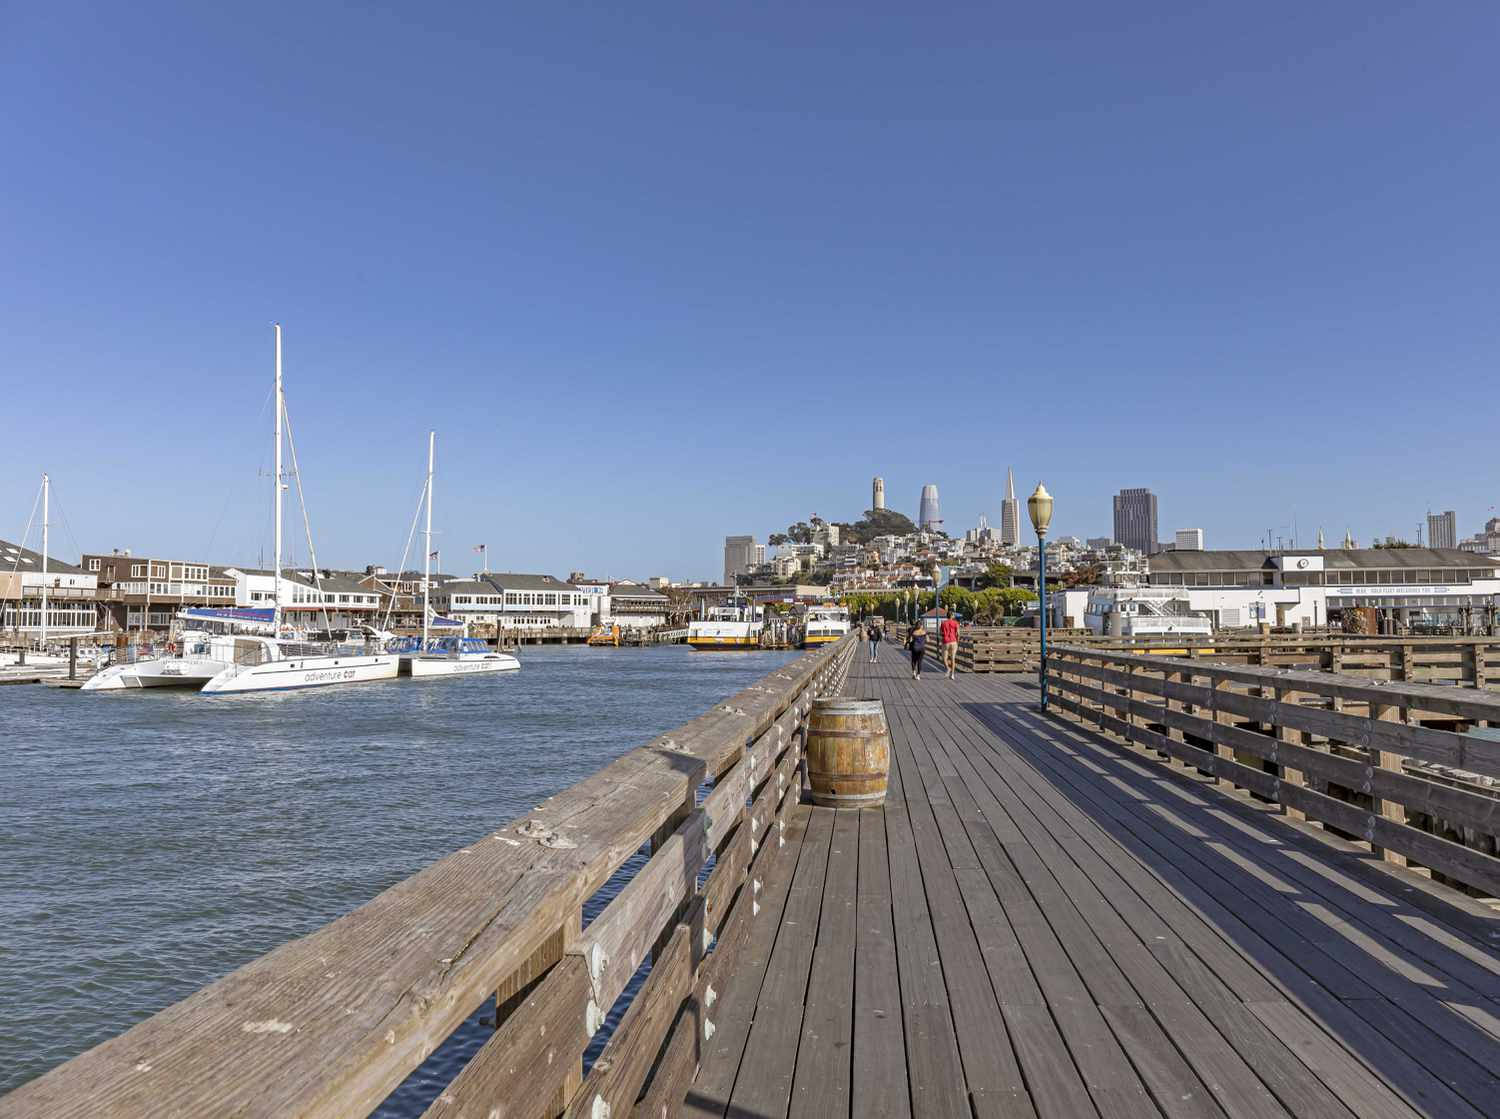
{"x": 948, "y": 632}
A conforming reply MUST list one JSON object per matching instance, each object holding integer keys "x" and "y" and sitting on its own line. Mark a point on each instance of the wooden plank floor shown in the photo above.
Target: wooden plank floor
{"x": 1041, "y": 922}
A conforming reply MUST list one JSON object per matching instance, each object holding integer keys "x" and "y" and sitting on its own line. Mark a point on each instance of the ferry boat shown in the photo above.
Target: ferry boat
{"x": 736, "y": 625}
{"x": 277, "y": 662}
{"x": 824, "y": 624}
{"x": 454, "y": 654}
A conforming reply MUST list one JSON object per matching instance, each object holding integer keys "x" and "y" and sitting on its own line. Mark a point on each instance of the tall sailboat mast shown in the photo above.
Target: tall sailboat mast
{"x": 427, "y": 558}
{"x": 46, "y": 497}
{"x": 276, "y": 487}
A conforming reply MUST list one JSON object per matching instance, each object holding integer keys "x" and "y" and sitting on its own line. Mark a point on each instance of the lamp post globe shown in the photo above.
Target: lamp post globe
{"x": 1039, "y": 506}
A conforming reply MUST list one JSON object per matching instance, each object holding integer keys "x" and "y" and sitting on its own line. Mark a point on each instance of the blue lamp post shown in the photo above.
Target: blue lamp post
{"x": 1039, "y": 505}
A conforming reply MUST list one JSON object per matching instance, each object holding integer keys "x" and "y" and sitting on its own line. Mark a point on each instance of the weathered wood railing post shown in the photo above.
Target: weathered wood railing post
{"x": 1391, "y": 762}
{"x": 1223, "y": 718}
{"x": 1287, "y": 736}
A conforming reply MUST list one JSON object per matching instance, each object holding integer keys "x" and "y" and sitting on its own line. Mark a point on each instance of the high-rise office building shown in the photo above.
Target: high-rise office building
{"x": 877, "y": 494}
{"x": 739, "y": 555}
{"x": 1442, "y": 530}
{"x": 1190, "y": 540}
{"x": 1135, "y": 520}
{"x": 1010, "y": 512}
{"x": 928, "y": 516}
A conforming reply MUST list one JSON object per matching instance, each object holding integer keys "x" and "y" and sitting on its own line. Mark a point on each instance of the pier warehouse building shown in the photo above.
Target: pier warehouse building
{"x": 1408, "y": 587}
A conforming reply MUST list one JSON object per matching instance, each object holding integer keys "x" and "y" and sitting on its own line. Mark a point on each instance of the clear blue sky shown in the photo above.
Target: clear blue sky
{"x": 662, "y": 272}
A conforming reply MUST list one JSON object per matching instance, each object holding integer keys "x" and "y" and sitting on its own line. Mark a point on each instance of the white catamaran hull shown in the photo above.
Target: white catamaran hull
{"x": 169, "y": 672}
{"x": 464, "y": 666}
{"x": 303, "y": 672}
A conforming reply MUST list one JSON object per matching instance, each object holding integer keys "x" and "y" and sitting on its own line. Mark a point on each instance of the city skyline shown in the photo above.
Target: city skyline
{"x": 581, "y": 245}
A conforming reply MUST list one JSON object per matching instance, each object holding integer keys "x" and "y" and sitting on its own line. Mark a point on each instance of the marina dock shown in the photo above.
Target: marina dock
{"x": 1123, "y": 907}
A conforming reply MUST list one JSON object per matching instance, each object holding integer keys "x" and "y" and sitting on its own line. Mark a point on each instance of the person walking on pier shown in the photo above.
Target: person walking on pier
{"x": 872, "y": 631}
{"x": 917, "y": 643}
{"x": 948, "y": 631}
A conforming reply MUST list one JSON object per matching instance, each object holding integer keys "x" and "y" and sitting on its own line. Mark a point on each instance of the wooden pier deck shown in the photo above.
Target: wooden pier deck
{"x": 1042, "y": 922}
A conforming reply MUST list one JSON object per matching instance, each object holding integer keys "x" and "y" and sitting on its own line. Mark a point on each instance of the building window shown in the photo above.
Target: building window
{"x": 93, "y": 565}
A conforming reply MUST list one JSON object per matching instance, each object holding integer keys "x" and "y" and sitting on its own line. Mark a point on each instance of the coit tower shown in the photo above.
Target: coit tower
{"x": 928, "y": 517}
{"x": 877, "y": 494}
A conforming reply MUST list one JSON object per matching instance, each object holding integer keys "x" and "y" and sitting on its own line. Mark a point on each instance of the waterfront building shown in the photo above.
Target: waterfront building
{"x": 141, "y": 592}
{"x": 516, "y": 601}
{"x": 929, "y": 517}
{"x": 635, "y": 606}
{"x": 1408, "y": 587}
{"x": 1191, "y": 540}
{"x": 1442, "y": 530}
{"x": 309, "y": 600}
{"x": 1135, "y": 520}
{"x": 877, "y": 494}
{"x": 739, "y": 557}
{"x": 69, "y": 591}
{"x": 1010, "y": 513}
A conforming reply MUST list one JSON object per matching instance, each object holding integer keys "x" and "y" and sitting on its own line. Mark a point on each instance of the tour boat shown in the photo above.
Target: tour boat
{"x": 823, "y": 625}
{"x": 733, "y": 626}
{"x": 275, "y": 663}
{"x": 458, "y": 654}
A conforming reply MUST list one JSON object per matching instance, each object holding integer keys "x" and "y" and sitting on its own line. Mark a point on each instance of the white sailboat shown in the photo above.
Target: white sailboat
{"x": 272, "y": 663}
{"x": 453, "y": 655}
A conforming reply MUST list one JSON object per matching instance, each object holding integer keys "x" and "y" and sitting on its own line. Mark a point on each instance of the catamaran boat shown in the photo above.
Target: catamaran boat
{"x": 203, "y": 646}
{"x": 454, "y": 654}
{"x": 735, "y": 625}
{"x": 824, "y": 624}
{"x": 283, "y": 660}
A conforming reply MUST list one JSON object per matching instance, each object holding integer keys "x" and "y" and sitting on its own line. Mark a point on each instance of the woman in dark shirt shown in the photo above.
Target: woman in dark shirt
{"x": 917, "y": 643}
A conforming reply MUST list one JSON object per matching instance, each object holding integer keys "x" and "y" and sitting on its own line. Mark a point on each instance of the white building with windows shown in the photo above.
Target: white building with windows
{"x": 517, "y": 601}
{"x": 329, "y": 599}
{"x": 70, "y": 594}
{"x": 1410, "y": 588}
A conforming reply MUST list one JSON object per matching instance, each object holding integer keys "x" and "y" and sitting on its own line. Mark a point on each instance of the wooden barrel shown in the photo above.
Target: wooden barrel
{"x": 848, "y": 752}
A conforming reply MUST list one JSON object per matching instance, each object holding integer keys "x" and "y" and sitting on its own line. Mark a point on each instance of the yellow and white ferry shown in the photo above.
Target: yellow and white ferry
{"x": 733, "y": 626}
{"x": 824, "y": 624}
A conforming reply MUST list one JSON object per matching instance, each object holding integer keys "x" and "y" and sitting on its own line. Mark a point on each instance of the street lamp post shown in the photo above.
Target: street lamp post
{"x": 1039, "y": 505}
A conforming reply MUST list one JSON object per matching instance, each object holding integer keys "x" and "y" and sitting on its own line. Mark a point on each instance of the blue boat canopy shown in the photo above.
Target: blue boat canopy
{"x": 232, "y": 614}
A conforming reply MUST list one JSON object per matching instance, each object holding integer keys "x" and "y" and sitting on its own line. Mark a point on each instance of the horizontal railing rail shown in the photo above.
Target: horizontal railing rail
{"x": 330, "y": 1024}
{"x": 1464, "y": 661}
{"x": 1335, "y": 748}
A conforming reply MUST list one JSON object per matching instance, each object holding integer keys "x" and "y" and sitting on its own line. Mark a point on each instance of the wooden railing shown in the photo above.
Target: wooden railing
{"x": 1345, "y": 751}
{"x": 1460, "y": 661}
{"x": 329, "y": 1024}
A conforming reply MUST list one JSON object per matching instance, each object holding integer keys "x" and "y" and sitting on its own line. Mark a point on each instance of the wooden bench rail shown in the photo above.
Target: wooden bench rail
{"x": 329, "y": 1024}
{"x": 1290, "y": 737}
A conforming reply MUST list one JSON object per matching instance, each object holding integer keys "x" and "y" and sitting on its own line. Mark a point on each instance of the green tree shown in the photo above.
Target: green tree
{"x": 995, "y": 575}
